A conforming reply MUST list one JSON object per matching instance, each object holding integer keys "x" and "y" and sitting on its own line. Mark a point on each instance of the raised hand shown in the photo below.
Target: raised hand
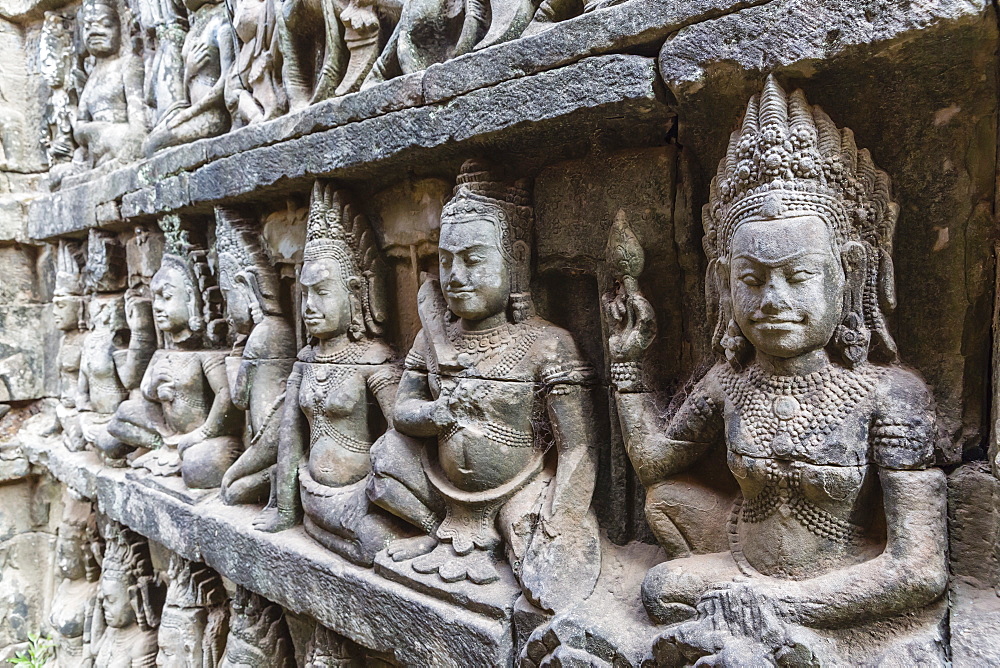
{"x": 630, "y": 318}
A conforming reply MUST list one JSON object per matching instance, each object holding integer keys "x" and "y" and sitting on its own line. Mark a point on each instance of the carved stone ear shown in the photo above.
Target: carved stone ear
{"x": 854, "y": 258}
{"x": 354, "y": 284}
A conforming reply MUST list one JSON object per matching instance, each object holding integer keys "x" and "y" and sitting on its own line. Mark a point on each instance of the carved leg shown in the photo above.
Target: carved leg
{"x": 671, "y": 589}
{"x": 398, "y": 482}
{"x": 135, "y": 423}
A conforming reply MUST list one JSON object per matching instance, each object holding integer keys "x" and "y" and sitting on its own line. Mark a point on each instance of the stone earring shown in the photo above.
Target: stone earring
{"x": 852, "y": 339}
{"x": 735, "y": 344}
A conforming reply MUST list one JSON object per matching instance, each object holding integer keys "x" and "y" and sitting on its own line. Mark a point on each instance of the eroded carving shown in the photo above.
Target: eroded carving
{"x": 110, "y": 122}
{"x": 57, "y": 65}
{"x": 185, "y": 416}
{"x": 195, "y": 620}
{"x": 258, "y": 634}
{"x": 262, "y": 356}
{"x": 504, "y": 393}
{"x": 77, "y": 571}
{"x": 838, "y": 520}
{"x": 128, "y": 602}
{"x": 254, "y": 90}
{"x": 68, "y": 312}
{"x": 207, "y": 55}
{"x": 342, "y": 386}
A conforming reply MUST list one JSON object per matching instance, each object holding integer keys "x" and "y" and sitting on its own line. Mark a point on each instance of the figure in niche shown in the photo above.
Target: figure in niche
{"x": 254, "y": 90}
{"x": 110, "y": 121}
{"x": 262, "y": 357}
{"x": 340, "y": 394}
{"x": 68, "y": 314}
{"x": 124, "y": 636}
{"x": 504, "y": 396}
{"x": 330, "y": 47}
{"x": 117, "y": 348}
{"x": 258, "y": 634}
{"x": 208, "y": 55}
{"x": 185, "y": 415}
{"x": 838, "y": 519}
{"x": 56, "y": 65}
{"x": 76, "y": 594}
{"x": 195, "y": 620}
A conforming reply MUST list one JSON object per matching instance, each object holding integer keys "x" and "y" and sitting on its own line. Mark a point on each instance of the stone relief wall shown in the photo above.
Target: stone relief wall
{"x": 636, "y": 333}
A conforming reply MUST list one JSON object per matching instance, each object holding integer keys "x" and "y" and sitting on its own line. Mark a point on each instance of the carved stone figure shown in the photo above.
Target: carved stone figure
{"x": 125, "y": 632}
{"x": 208, "y": 54}
{"x": 110, "y": 121}
{"x": 76, "y": 594}
{"x": 117, "y": 348}
{"x": 195, "y": 620}
{"x": 330, "y": 47}
{"x": 836, "y": 521}
{"x": 429, "y": 32}
{"x": 185, "y": 415}
{"x": 342, "y": 387}
{"x": 68, "y": 314}
{"x": 56, "y": 64}
{"x": 262, "y": 357}
{"x": 505, "y": 396}
{"x": 254, "y": 90}
{"x": 258, "y": 634}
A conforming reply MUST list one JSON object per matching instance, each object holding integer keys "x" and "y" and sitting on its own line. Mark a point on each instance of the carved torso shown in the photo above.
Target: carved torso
{"x": 103, "y": 96}
{"x": 126, "y": 648}
{"x": 805, "y": 452}
{"x": 105, "y": 388}
{"x": 337, "y": 396}
{"x": 69, "y": 366}
{"x": 205, "y": 28}
{"x": 499, "y": 397}
{"x": 176, "y": 379}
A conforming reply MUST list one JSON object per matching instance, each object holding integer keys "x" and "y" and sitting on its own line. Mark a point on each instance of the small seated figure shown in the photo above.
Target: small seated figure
{"x": 185, "y": 415}
{"x": 258, "y": 634}
{"x": 495, "y": 450}
{"x": 836, "y": 522}
{"x": 194, "y": 623}
{"x": 100, "y": 390}
{"x": 262, "y": 357}
{"x": 68, "y": 316}
{"x": 208, "y": 54}
{"x": 124, "y": 629}
{"x": 110, "y": 121}
{"x": 76, "y": 594}
{"x": 340, "y": 394}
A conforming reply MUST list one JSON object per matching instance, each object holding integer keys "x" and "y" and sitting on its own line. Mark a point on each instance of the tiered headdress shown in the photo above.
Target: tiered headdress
{"x": 190, "y": 257}
{"x": 105, "y": 270}
{"x": 481, "y": 193}
{"x": 196, "y": 595}
{"x": 789, "y": 157}
{"x": 69, "y": 269}
{"x": 261, "y": 627}
{"x": 79, "y": 527}
{"x": 126, "y": 559}
{"x": 237, "y": 243}
{"x": 337, "y": 230}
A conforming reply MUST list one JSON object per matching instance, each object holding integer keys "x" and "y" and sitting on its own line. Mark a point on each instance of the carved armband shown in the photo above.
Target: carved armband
{"x": 560, "y": 378}
{"x": 386, "y": 377}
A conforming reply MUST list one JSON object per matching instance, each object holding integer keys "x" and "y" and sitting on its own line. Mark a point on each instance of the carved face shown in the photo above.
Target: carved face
{"x": 475, "y": 276}
{"x": 101, "y": 32}
{"x": 326, "y": 300}
{"x": 70, "y": 558}
{"x": 237, "y": 299}
{"x": 787, "y": 285}
{"x": 66, "y": 312}
{"x": 180, "y": 638}
{"x": 171, "y": 300}
{"x": 118, "y": 612}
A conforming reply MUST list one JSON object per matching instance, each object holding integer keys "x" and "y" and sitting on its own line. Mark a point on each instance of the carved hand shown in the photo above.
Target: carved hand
{"x": 138, "y": 313}
{"x": 631, "y": 321}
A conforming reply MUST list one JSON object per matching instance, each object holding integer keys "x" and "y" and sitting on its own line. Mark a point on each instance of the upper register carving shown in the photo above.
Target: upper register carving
{"x": 837, "y": 518}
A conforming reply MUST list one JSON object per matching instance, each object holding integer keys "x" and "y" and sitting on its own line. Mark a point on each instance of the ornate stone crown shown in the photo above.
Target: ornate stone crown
{"x": 260, "y": 624}
{"x": 337, "y": 230}
{"x": 479, "y": 191}
{"x": 788, "y": 158}
{"x": 193, "y": 585}
{"x": 69, "y": 269}
{"x": 126, "y": 555}
{"x": 237, "y": 244}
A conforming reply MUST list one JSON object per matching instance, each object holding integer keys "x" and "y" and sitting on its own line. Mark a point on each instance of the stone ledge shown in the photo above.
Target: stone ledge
{"x": 574, "y": 102}
{"x": 288, "y": 568}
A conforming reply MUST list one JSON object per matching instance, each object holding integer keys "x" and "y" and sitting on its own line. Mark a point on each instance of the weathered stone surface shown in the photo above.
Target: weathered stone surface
{"x": 27, "y": 368}
{"x": 902, "y": 76}
{"x": 587, "y": 93}
{"x": 288, "y": 568}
